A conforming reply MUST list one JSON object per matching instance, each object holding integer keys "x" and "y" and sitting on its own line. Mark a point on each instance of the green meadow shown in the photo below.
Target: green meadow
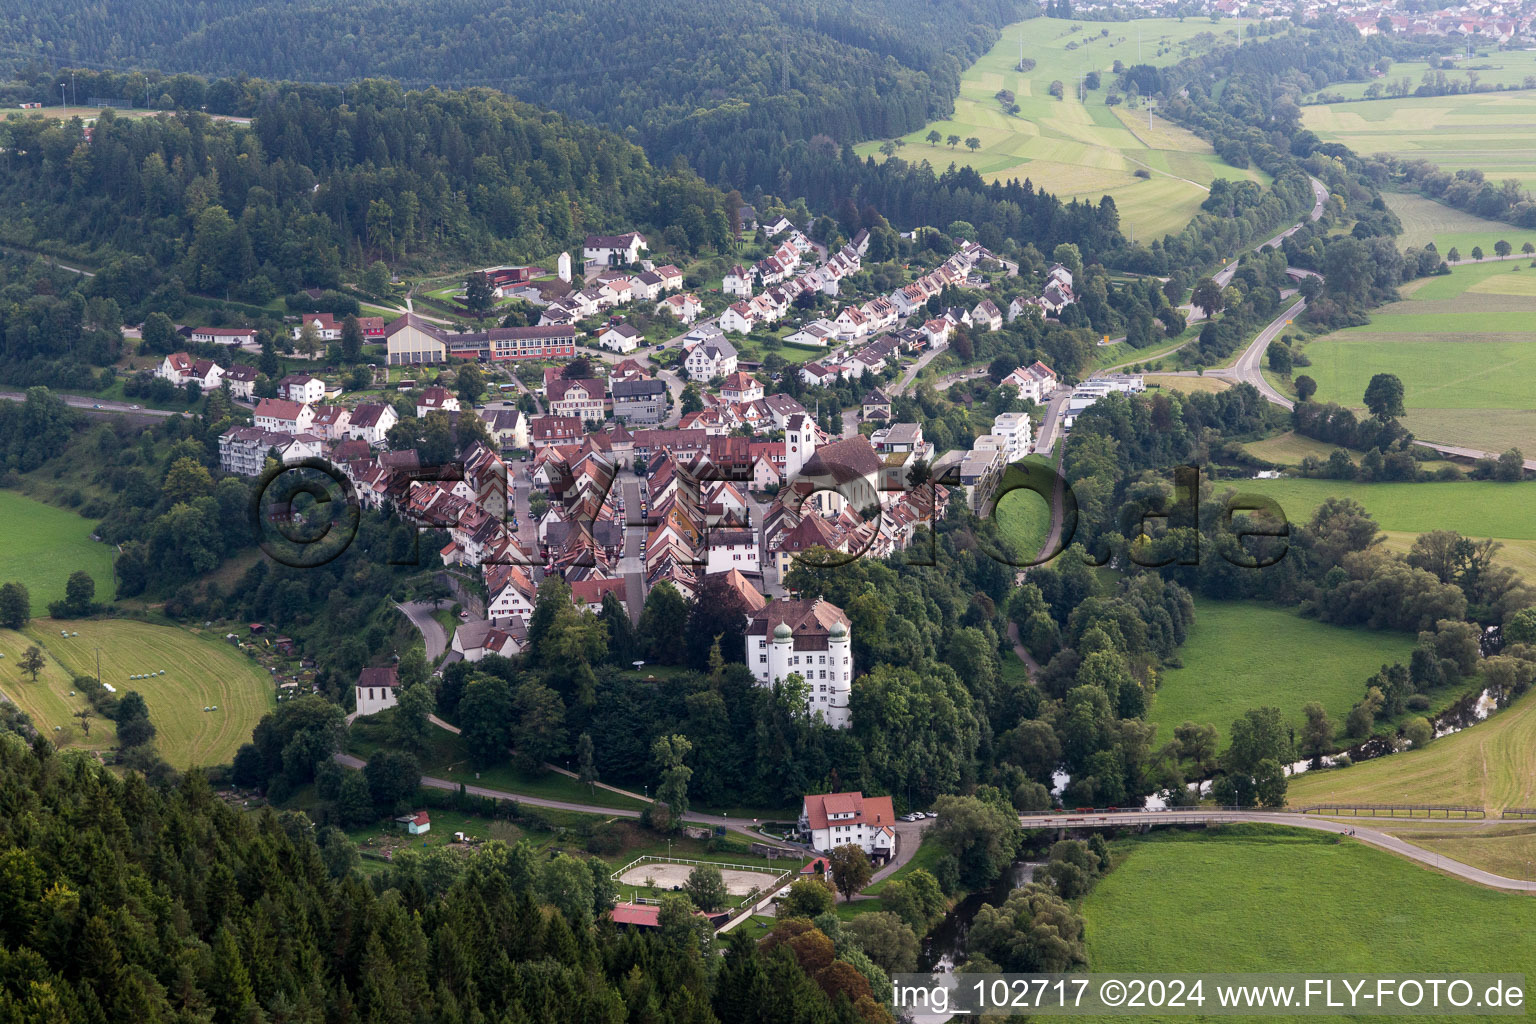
{"x": 1463, "y": 348}
{"x": 1265, "y": 898}
{"x": 41, "y": 545}
{"x": 1476, "y": 508}
{"x": 1425, "y": 221}
{"x": 1492, "y": 132}
{"x": 1082, "y": 148}
{"x": 1243, "y": 655}
{"x": 1507, "y": 68}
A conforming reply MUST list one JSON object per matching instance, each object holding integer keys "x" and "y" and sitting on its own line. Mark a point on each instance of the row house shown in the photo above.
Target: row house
{"x": 330, "y": 422}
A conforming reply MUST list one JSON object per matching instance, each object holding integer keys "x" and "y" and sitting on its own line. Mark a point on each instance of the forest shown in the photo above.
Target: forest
{"x": 125, "y": 902}
{"x": 251, "y": 211}
{"x": 675, "y": 80}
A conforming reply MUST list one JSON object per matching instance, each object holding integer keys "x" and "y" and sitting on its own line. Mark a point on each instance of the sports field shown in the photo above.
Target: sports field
{"x": 40, "y": 545}
{"x": 1491, "y": 764}
{"x": 199, "y": 672}
{"x": 1463, "y": 348}
{"x": 1493, "y": 132}
{"x": 1425, "y": 221}
{"x": 1476, "y": 508}
{"x": 1082, "y": 148}
{"x": 1256, "y": 898}
{"x": 1243, "y": 655}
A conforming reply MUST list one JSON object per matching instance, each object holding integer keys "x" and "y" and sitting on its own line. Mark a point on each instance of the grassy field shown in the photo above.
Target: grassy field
{"x": 200, "y": 671}
{"x": 1492, "y": 132}
{"x": 1461, "y": 345}
{"x": 1023, "y": 517}
{"x": 1253, "y": 898}
{"x": 1477, "y": 508}
{"x": 1243, "y": 655}
{"x": 1425, "y": 221}
{"x": 41, "y": 545}
{"x": 1507, "y": 68}
{"x": 1082, "y": 149}
{"x": 1188, "y": 385}
{"x": 1491, "y": 764}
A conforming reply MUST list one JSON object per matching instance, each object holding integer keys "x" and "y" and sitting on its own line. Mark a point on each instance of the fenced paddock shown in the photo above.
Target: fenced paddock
{"x": 667, "y": 872}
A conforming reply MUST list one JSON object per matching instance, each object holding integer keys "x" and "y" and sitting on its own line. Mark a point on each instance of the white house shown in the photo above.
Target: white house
{"x": 435, "y": 399}
{"x": 610, "y": 249}
{"x": 282, "y": 416}
{"x": 986, "y": 315}
{"x": 622, "y": 339}
{"x": 820, "y": 333}
{"x": 809, "y": 638}
{"x": 224, "y": 335}
{"x": 738, "y": 282}
{"x": 843, "y": 819}
{"x": 711, "y": 359}
{"x": 371, "y": 422}
{"x": 1034, "y": 382}
{"x": 686, "y": 307}
{"x": 377, "y": 689}
{"x": 301, "y": 388}
{"x": 738, "y": 318}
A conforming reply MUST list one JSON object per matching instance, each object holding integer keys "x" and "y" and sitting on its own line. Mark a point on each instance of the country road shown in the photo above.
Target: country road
{"x": 432, "y": 632}
{"x": 1292, "y": 819}
{"x": 736, "y": 825}
{"x": 95, "y": 405}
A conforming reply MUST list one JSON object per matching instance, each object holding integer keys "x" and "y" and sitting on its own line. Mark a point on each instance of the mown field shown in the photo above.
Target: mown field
{"x": 1507, "y": 849}
{"x": 200, "y": 671}
{"x": 1491, "y": 764}
{"x": 1023, "y": 517}
{"x": 1463, "y": 348}
{"x": 1504, "y": 67}
{"x": 1243, "y": 655}
{"x": 1492, "y": 132}
{"x": 1477, "y": 508}
{"x": 1257, "y": 898}
{"x": 41, "y": 545}
{"x": 1425, "y": 221}
{"x": 1082, "y": 149}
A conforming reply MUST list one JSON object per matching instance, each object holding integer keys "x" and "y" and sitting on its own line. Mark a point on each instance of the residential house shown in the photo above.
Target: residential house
{"x": 544, "y": 431}
{"x": 741, "y": 387}
{"x": 241, "y": 378}
{"x": 611, "y": 250}
{"x": 283, "y": 416}
{"x": 684, "y": 308}
{"x": 876, "y": 406}
{"x": 435, "y": 399}
{"x": 508, "y": 426}
{"x": 639, "y": 402}
{"x": 850, "y": 819}
{"x": 711, "y": 359}
{"x": 371, "y": 421}
{"x": 820, "y": 333}
{"x": 1034, "y": 382}
{"x": 301, "y": 388}
{"x": 986, "y": 315}
{"x": 738, "y": 282}
{"x": 620, "y": 338}
{"x": 738, "y": 318}
{"x": 1014, "y": 429}
{"x": 583, "y": 399}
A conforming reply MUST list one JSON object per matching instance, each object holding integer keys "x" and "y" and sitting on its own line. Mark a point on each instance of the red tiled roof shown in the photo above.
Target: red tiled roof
{"x": 867, "y": 810}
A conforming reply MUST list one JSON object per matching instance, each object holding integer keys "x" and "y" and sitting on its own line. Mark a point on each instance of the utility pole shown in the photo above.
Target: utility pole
{"x": 62, "y": 87}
